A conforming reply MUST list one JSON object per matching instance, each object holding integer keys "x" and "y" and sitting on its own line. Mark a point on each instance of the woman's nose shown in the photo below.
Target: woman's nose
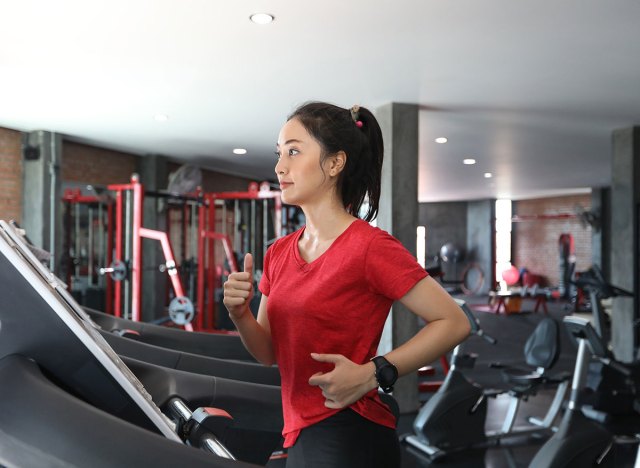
{"x": 280, "y": 167}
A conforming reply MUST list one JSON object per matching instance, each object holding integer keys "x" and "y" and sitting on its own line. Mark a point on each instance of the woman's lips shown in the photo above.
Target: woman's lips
{"x": 284, "y": 185}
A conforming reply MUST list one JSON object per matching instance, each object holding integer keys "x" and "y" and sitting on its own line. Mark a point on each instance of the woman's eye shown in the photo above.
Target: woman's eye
{"x": 277, "y": 153}
{"x": 293, "y": 152}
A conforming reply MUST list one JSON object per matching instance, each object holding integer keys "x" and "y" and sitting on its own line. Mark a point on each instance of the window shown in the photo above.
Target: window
{"x": 421, "y": 244}
{"x": 503, "y": 239}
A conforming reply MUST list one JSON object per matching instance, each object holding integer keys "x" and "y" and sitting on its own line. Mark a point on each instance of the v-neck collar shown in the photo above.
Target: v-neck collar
{"x": 307, "y": 265}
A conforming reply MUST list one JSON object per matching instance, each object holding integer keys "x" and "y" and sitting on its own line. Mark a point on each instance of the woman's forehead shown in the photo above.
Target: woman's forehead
{"x": 293, "y": 130}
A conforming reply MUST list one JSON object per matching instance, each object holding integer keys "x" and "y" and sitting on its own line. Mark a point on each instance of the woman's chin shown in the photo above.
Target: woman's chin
{"x": 287, "y": 198}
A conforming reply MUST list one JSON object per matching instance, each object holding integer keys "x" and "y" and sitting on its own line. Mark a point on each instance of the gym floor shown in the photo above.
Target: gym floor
{"x": 511, "y": 331}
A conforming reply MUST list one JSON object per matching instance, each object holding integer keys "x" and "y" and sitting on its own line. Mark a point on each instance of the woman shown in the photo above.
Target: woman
{"x": 326, "y": 293}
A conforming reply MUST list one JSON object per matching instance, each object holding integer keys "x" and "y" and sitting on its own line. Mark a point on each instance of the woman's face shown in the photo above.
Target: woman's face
{"x": 302, "y": 179}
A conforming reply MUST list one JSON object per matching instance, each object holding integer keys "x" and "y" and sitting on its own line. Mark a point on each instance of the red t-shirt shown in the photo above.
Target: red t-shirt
{"x": 336, "y": 304}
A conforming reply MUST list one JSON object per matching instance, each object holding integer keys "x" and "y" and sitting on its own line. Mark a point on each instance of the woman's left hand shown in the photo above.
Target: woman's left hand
{"x": 346, "y": 383}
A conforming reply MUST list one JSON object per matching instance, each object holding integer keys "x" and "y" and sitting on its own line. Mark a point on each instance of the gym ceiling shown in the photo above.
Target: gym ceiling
{"x": 532, "y": 90}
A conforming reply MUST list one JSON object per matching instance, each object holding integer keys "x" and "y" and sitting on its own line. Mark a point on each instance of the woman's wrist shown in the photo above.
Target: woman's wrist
{"x": 240, "y": 318}
{"x": 370, "y": 375}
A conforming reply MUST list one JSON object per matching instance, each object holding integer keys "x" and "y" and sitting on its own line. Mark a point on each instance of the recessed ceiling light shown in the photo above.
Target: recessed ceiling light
{"x": 239, "y": 151}
{"x": 441, "y": 140}
{"x": 161, "y": 117}
{"x": 469, "y": 161}
{"x": 488, "y": 175}
{"x": 261, "y": 18}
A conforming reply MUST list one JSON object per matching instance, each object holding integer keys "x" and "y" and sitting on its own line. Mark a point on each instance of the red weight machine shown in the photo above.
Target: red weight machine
{"x": 205, "y": 227}
{"x": 214, "y": 230}
{"x": 182, "y": 311}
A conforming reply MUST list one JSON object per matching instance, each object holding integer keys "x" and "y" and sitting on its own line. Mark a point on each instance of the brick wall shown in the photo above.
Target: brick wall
{"x": 100, "y": 166}
{"x": 535, "y": 242}
{"x": 10, "y": 174}
{"x": 93, "y": 165}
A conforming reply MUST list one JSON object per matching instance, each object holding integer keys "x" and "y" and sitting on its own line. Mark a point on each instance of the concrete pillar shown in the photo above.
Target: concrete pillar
{"x": 154, "y": 173}
{"x": 625, "y": 198}
{"x": 601, "y": 234}
{"x": 398, "y": 215}
{"x": 481, "y": 217}
{"x": 42, "y": 192}
{"x": 445, "y": 222}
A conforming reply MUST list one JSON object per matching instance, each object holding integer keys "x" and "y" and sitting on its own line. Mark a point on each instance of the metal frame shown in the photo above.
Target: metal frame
{"x": 137, "y": 233}
{"x": 200, "y": 230}
{"x": 75, "y": 198}
{"x": 206, "y": 310}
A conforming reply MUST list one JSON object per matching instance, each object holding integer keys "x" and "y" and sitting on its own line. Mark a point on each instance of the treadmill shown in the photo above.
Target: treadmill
{"x": 237, "y": 370}
{"x": 216, "y": 345}
{"x": 67, "y": 399}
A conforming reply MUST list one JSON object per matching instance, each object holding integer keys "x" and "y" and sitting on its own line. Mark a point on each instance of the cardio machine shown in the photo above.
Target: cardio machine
{"x": 231, "y": 369}
{"x": 593, "y": 281}
{"x": 586, "y": 433}
{"x": 607, "y": 390}
{"x": 454, "y": 418}
{"x": 67, "y": 399}
{"x": 216, "y": 345}
{"x": 581, "y": 441}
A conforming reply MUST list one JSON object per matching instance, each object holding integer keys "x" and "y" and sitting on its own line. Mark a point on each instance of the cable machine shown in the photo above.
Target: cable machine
{"x": 88, "y": 242}
{"x": 129, "y": 232}
{"x": 211, "y": 233}
{"x": 239, "y": 222}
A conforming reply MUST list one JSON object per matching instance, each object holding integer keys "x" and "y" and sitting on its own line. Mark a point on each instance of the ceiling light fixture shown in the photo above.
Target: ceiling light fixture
{"x": 468, "y": 161}
{"x": 488, "y": 175}
{"x": 441, "y": 140}
{"x": 161, "y": 117}
{"x": 262, "y": 18}
{"x": 239, "y": 151}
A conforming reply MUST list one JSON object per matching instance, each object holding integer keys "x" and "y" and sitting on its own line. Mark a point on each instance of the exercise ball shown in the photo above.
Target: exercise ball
{"x": 450, "y": 252}
{"x": 511, "y": 275}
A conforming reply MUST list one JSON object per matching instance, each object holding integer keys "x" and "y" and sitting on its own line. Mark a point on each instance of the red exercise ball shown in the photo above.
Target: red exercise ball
{"x": 511, "y": 275}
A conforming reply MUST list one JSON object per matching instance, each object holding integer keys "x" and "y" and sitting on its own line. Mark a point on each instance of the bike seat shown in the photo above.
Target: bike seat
{"x": 541, "y": 352}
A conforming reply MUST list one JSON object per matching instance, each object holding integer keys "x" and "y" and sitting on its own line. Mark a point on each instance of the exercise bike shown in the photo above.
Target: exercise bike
{"x": 585, "y": 435}
{"x": 581, "y": 439}
{"x": 454, "y": 418}
{"x": 609, "y": 393}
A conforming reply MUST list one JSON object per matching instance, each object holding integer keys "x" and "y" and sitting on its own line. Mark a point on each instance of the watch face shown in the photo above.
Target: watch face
{"x": 387, "y": 375}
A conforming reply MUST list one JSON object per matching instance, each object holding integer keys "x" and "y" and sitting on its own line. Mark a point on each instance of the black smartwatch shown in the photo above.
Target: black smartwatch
{"x": 386, "y": 373}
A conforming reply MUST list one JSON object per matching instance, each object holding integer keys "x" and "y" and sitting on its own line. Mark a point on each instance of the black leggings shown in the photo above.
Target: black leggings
{"x": 345, "y": 440}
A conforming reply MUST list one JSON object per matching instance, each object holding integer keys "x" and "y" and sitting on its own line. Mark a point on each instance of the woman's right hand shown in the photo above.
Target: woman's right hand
{"x": 238, "y": 289}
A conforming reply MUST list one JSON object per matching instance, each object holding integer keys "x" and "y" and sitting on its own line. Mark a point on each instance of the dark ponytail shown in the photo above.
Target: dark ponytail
{"x": 337, "y": 129}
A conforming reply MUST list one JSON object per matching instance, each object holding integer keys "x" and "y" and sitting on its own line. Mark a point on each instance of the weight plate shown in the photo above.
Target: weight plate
{"x": 181, "y": 310}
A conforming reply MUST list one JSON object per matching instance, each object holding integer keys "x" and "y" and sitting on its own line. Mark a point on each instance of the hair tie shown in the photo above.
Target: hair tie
{"x": 355, "y": 115}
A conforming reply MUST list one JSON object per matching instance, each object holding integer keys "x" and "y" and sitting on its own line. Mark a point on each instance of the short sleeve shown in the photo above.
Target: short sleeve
{"x": 390, "y": 269}
{"x": 265, "y": 281}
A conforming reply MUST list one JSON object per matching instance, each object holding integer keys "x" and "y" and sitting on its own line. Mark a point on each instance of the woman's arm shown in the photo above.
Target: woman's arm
{"x": 446, "y": 327}
{"x": 255, "y": 334}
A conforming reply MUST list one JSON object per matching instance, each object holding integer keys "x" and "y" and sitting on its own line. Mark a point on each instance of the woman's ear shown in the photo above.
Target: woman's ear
{"x": 338, "y": 163}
